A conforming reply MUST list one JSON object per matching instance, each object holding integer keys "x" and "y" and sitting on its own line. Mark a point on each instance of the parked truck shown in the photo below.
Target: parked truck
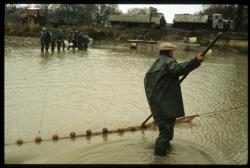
{"x": 33, "y": 15}
{"x": 151, "y": 20}
{"x": 214, "y": 21}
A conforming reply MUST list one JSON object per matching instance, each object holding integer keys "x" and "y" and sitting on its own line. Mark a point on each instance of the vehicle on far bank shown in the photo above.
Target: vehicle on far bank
{"x": 60, "y": 22}
{"x": 33, "y": 15}
{"x": 155, "y": 20}
{"x": 214, "y": 21}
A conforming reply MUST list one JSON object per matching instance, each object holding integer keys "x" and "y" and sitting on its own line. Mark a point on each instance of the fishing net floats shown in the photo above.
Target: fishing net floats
{"x": 105, "y": 131}
{"x": 88, "y": 134}
{"x": 73, "y": 135}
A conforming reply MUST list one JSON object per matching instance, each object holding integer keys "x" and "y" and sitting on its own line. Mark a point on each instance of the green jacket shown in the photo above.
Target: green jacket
{"x": 163, "y": 89}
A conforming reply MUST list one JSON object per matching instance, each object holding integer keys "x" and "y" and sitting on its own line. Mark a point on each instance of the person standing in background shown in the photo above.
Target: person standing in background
{"x": 45, "y": 39}
{"x": 60, "y": 40}
{"x": 53, "y": 40}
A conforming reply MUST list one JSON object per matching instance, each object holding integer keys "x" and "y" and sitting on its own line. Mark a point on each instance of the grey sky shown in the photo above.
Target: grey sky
{"x": 167, "y": 10}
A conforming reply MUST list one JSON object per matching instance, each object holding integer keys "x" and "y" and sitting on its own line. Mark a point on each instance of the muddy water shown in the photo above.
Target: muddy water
{"x": 76, "y": 91}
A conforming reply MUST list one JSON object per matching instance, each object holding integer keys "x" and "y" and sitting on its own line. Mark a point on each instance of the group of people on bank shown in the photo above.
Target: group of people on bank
{"x": 56, "y": 39}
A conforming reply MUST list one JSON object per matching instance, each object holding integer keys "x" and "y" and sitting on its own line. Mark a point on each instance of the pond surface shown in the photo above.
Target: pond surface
{"x": 77, "y": 90}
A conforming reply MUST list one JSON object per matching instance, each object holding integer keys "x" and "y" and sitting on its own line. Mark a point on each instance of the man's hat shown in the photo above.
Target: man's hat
{"x": 167, "y": 46}
{"x": 44, "y": 28}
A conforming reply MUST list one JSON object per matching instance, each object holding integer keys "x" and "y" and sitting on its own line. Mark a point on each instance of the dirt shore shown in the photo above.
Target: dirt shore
{"x": 233, "y": 46}
{"x": 18, "y": 41}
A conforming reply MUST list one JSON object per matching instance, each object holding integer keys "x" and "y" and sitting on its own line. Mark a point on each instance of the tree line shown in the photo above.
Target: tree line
{"x": 75, "y": 14}
{"x": 97, "y": 14}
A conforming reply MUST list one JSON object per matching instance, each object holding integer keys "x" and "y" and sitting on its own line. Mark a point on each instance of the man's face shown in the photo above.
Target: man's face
{"x": 171, "y": 53}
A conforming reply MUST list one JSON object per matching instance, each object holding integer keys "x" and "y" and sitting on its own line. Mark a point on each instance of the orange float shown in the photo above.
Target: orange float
{"x": 72, "y": 134}
{"x": 104, "y": 130}
{"x": 19, "y": 141}
{"x": 120, "y": 130}
{"x": 38, "y": 139}
{"x": 55, "y": 137}
{"x": 88, "y": 132}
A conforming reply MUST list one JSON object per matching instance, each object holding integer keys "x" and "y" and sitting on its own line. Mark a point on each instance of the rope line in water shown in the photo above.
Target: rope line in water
{"x": 233, "y": 108}
{"x": 105, "y": 131}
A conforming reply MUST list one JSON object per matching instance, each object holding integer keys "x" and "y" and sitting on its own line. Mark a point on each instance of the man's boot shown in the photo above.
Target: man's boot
{"x": 161, "y": 146}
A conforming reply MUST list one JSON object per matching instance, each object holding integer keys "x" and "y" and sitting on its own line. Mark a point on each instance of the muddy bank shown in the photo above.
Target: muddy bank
{"x": 118, "y": 37}
{"x": 19, "y": 41}
{"x": 122, "y": 44}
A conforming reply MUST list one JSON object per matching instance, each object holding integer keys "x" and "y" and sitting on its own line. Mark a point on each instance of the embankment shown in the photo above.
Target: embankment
{"x": 28, "y": 35}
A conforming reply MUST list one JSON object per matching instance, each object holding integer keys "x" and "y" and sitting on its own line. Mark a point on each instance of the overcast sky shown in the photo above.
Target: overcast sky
{"x": 167, "y": 10}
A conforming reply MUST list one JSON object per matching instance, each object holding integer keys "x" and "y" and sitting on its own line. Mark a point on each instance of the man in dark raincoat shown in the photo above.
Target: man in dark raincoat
{"x": 45, "y": 39}
{"x": 80, "y": 41}
{"x": 60, "y": 40}
{"x": 75, "y": 39}
{"x": 163, "y": 93}
{"x": 70, "y": 39}
{"x": 53, "y": 40}
{"x": 85, "y": 42}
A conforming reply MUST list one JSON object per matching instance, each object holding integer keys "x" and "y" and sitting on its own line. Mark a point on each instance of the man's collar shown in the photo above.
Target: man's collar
{"x": 167, "y": 56}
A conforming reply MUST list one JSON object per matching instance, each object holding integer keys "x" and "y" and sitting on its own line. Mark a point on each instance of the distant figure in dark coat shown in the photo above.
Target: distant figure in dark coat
{"x": 75, "y": 40}
{"x": 45, "y": 40}
{"x": 53, "y": 40}
{"x": 60, "y": 40}
{"x": 85, "y": 42}
{"x": 80, "y": 41}
{"x": 70, "y": 39}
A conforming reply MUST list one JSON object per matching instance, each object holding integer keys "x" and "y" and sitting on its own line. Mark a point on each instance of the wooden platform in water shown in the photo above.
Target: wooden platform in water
{"x": 142, "y": 41}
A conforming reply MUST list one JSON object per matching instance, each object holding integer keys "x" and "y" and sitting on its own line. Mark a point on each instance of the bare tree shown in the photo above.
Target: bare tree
{"x": 104, "y": 10}
{"x": 138, "y": 11}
